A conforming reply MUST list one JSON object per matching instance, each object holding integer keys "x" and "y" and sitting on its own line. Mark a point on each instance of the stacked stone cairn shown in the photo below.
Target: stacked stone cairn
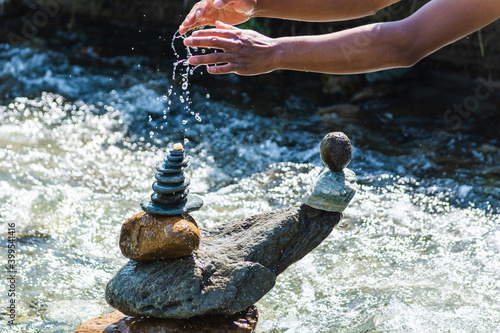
{"x": 164, "y": 230}
{"x": 237, "y": 261}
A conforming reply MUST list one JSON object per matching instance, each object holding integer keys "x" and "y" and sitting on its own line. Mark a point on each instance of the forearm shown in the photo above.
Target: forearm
{"x": 364, "y": 49}
{"x": 319, "y": 10}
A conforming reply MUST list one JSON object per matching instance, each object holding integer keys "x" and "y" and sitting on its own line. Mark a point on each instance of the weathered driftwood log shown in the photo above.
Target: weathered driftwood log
{"x": 236, "y": 264}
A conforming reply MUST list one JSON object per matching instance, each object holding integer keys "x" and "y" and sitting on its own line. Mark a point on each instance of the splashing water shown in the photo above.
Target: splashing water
{"x": 185, "y": 95}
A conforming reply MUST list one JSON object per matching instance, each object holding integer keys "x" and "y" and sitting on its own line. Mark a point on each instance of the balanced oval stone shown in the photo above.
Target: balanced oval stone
{"x": 175, "y": 158}
{"x": 176, "y": 164}
{"x": 146, "y": 237}
{"x": 177, "y": 152}
{"x": 170, "y": 178}
{"x": 336, "y": 151}
{"x": 169, "y": 199}
{"x": 191, "y": 203}
{"x": 161, "y": 167}
{"x": 165, "y": 188}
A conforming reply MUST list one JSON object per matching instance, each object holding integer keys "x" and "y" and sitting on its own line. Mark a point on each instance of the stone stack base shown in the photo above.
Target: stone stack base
{"x": 241, "y": 322}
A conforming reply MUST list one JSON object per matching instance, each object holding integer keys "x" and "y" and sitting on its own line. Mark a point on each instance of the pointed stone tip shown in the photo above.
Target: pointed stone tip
{"x": 178, "y": 146}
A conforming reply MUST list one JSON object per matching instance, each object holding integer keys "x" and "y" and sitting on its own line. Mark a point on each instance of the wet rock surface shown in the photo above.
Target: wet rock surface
{"x": 153, "y": 237}
{"x": 241, "y": 322}
{"x": 236, "y": 265}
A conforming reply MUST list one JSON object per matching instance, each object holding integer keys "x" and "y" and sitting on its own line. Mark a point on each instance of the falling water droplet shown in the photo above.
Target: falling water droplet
{"x": 184, "y": 122}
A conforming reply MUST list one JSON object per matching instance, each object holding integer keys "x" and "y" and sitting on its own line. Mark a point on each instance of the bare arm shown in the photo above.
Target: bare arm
{"x": 319, "y": 10}
{"x": 207, "y": 12}
{"x": 362, "y": 49}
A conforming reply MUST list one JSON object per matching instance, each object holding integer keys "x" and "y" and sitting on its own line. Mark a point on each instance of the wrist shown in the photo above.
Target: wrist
{"x": 277, "y": 54}
{"x": 283, "y": 53}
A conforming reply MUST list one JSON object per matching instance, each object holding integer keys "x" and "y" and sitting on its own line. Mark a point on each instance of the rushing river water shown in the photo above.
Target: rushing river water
{"x": 418, "y": 249}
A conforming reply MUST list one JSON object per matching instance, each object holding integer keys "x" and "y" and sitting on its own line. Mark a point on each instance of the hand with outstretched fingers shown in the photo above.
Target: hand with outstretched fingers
{"x": 246, "y": 52}
{"x": 207, "y": 12}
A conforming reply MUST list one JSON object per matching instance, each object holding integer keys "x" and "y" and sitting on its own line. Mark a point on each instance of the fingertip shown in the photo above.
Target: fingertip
{"x": 218, "y": 4}
{"x": 222, "y": 25}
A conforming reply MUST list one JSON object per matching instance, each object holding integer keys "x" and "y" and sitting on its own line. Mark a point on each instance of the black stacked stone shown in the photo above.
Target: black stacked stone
{"x": 171, "y": 194}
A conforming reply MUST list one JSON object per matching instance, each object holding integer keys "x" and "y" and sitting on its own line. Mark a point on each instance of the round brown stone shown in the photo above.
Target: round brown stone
{"x": 336, "y": 151}
{"x": 146, "y": 237}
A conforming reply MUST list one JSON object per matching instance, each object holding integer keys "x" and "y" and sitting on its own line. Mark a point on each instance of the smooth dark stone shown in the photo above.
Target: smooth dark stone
{"x": 175, "y": 158}
{"x": 336, "y": 151}
{"x": 177, "y": 152}
{"x": 170, "y": 178}
{"x": 191, "y": 203}
{"x": 169, "y": 199}
{"x": 175, "y": 164}
{"x": 236, "y": 264}
{"x": 161, "y": 167}
{"x": 164, "y": 188}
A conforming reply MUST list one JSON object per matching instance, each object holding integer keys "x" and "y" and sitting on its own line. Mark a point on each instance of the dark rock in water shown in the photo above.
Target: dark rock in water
{"x": 336, "y": 151}
{"x": 241, "y": 322}
{"x": 236, "y": 264}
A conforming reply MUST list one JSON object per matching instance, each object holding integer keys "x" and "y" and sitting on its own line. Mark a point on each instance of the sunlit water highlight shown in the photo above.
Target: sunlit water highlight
{"x": 77, "y": 156}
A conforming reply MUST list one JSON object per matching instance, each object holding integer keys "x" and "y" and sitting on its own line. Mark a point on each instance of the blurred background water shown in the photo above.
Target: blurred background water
{"x": 81, "y": 129}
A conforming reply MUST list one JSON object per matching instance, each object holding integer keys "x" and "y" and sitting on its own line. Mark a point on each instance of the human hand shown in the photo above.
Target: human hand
{"x": 246, "y": 52}
{"x": 206, "y": 12}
